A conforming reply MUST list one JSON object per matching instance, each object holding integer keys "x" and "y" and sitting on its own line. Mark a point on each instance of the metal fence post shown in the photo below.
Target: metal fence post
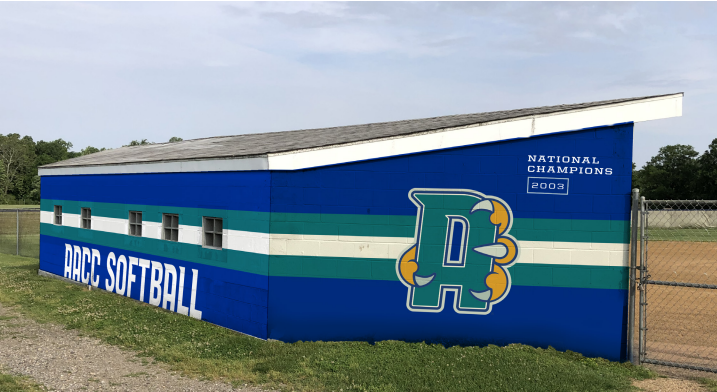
{"x": 633, "y": 262}
{"x": 17, "y": 233}
{"x": 643, "y": 281}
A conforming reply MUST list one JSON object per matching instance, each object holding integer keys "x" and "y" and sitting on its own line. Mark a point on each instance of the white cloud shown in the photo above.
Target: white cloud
{"x": 105, "y": 73}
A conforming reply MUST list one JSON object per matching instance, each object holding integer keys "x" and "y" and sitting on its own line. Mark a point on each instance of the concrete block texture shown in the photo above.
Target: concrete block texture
{"x": 316, "y": 254}
{"x": 337, "y": 232}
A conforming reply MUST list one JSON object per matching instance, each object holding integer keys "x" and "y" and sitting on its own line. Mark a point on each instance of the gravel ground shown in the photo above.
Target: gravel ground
{"x": 680, "y": 373}
{"x": 669, "y": 385}
{"x": 62, "y": 360}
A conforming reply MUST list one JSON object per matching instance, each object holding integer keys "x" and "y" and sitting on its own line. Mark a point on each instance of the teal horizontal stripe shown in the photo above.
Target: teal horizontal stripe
{"x": 225, "y": 258}
{"x": 526, "y": 229}
{"x": 544, "y": 275}
{"x": 343, "y": 224}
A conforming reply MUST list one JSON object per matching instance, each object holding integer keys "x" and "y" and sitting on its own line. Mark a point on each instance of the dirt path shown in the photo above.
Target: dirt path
{"x": 60, "y": 359}
{"x": 669, "y": 385}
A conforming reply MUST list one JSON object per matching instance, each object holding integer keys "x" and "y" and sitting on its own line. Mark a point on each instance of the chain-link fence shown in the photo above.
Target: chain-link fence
{"x": 678, "y": 284}
{"x": 677, "y": 249}
{"x": 20, "y": 232}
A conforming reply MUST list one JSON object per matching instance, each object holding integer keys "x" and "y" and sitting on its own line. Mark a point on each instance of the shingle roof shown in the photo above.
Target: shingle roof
{"x": 261, "y": 144}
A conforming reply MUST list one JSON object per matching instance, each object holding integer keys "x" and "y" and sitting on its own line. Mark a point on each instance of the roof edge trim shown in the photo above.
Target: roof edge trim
{"x": 188, "y": 166}
{"x": 522, "y": 127}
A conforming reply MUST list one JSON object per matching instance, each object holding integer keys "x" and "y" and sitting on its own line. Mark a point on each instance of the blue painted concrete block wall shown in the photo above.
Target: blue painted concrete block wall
{"x": 569, "y": 288}
{"x": 231, "y": 287}
{"x": 312, "y": 254}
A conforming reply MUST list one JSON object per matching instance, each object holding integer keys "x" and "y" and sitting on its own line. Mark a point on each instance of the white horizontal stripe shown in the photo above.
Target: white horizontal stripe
{"x": 110, "y": 225}
{"x": 247, "y": 241}
{"x": 574, "y": 245}
{"x": 523, "y": 127}
{"x": 190, "y": 234}
{"x": 152, "y": 230}
{"x": 47, "y": 217}
{"x": 537, "y": 252}
{"x": 531, "y": 252}
{"x": 72, "y": 220}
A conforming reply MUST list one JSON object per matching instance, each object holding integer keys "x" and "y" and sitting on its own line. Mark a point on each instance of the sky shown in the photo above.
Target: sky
{"x": 103, "y": 74}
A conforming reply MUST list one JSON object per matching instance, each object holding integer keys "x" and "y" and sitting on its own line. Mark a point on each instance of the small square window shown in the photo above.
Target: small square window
{"x": 135, "y": 223}
{"x": 170, "y": 227}
{"x": 86, "y": 218}
{"x": 212, "y": 228}
{"x": 58, "y": 215}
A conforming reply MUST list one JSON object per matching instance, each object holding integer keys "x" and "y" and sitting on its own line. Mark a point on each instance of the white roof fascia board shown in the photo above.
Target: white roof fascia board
{"x": 399, "y": 146}
{"x": 637, "y": 111}
{"x": 208, "y": 165}
{"x": 632, "y": 111}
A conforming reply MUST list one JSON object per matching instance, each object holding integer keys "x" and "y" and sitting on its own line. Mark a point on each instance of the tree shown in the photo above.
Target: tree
{"x": 20, "y": 158}
{"x": 54, "y": 151}
{"x": 707, "y": 176}
{"x": 34, "y": 188}
{"x": 28, "y": 185}
{"x": 137, "y": 143}
{"x": 671, "y": 174}
{"x": 635, "y": 176}
{"x": 91, "y": 150}
{"x": 175, "y": 139}
{"x": 17, "y": 158}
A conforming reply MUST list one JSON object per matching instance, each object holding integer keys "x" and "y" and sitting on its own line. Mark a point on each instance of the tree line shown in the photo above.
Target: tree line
{"x": 678, "y": 172}
{"x": 20, "y": 156}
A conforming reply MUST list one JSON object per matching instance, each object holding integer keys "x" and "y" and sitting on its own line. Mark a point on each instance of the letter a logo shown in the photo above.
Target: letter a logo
{"x": 461, "y": 245}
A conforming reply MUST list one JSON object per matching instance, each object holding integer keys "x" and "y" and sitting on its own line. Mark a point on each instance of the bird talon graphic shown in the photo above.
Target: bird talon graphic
{"x": 409, "y": 267}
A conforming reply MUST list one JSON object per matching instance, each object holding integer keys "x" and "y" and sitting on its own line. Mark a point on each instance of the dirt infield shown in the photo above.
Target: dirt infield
{"x": 682, "y": 321}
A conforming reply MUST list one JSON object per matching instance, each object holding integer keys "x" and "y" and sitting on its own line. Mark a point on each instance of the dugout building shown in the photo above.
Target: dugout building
{"x": 500, "y": 227}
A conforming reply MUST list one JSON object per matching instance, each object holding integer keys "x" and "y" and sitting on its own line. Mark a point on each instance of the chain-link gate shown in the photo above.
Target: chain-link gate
{"x": 678, "y": 283}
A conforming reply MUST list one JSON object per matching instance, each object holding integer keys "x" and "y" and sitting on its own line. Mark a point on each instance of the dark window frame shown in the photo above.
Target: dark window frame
{"x": 86, "y": 218}
{"x": 170, "y": 227}
{"x": 58, "y": 215}
{"x": 135, "y": 223}
{"x": 212, "y": 232}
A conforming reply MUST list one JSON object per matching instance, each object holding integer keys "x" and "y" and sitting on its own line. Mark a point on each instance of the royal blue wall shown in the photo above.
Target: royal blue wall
{"x": 582, "y": 318}
{"x": 232, "y": 286}
{"x": 587, "y": 321}
{"x": 379, "y": 187}
{"x": 289, "y": 301}
{"x": 246, "y": 191}
{"x": 232, "y": 299}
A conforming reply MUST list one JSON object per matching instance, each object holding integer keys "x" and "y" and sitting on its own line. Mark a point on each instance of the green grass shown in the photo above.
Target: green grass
{"x": 688, "y": 235}
{"x": 206, "y": 351}
{"x": 709, "y": 383}
{"x": 18, "y": 206}
{"x": 12, "y": 383}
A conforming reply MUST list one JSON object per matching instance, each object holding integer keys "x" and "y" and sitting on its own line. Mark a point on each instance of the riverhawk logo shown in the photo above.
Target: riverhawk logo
{"x": 461, "y": 245}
